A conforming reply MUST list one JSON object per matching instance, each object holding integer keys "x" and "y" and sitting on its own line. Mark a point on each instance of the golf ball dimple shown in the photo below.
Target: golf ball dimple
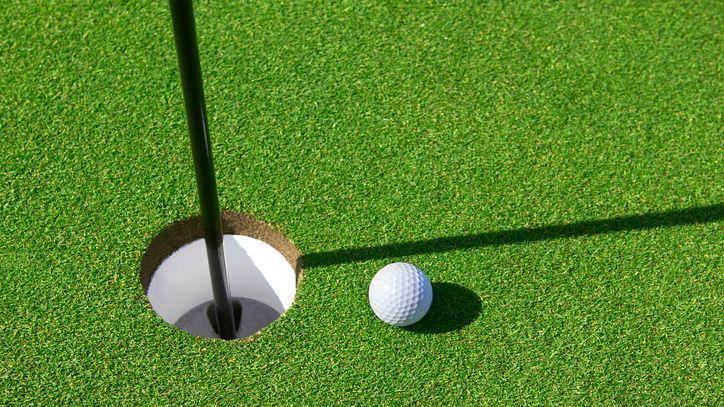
{"x": 400, "y": 294}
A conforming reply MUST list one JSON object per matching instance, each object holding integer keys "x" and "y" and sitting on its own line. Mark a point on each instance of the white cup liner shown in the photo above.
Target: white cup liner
{"x": 259, "y": 276}
{"x": 254, "y": 269}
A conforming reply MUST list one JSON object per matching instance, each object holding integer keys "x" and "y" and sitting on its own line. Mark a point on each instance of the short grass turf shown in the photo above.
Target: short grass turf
{"x": 400, "y": 127}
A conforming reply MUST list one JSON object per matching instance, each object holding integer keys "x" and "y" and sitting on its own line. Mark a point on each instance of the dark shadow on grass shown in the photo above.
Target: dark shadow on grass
{"x": 691, "y": 216}
{"x": 453, "y": 307}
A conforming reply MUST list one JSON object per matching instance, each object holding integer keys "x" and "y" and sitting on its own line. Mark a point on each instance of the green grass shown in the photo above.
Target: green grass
{"x": 349, "y": 124}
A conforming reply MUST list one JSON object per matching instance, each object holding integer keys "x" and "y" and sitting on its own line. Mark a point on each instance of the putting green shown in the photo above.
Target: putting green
{"x": 555, "y": 169}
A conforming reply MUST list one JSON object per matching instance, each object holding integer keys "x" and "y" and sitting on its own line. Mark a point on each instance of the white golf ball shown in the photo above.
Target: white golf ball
{"x": 400, "y": 294}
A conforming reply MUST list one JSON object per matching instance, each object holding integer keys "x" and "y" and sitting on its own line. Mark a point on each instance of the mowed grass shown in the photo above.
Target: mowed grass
{"x": 362, "y": 124}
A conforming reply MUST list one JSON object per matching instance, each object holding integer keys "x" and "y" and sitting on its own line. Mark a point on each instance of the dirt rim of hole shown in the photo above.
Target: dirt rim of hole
{"x": 182, "y": 232}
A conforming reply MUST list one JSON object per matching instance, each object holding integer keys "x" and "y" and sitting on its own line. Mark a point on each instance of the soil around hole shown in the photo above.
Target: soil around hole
{"x": 256, "y": 314}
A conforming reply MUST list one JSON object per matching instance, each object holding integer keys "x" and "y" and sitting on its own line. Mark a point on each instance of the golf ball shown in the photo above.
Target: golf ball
{"x": 400, "y": 294}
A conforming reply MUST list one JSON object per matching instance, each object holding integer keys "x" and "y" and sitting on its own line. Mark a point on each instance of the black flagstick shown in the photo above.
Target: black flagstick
{"x": 184, "y": 29}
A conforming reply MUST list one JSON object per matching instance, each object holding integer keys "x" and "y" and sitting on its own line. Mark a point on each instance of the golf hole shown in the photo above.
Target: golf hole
{"x": 263, "y": 269}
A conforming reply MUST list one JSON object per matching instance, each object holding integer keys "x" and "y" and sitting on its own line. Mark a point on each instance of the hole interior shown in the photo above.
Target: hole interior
{"x": 263, "y": 270}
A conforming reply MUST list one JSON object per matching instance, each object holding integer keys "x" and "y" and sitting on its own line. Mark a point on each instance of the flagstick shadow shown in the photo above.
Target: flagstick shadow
{"x": 680, "y": 217}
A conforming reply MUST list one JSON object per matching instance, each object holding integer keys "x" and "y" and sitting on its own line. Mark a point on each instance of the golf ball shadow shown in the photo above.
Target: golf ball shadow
{"x": 453, "y": 307}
